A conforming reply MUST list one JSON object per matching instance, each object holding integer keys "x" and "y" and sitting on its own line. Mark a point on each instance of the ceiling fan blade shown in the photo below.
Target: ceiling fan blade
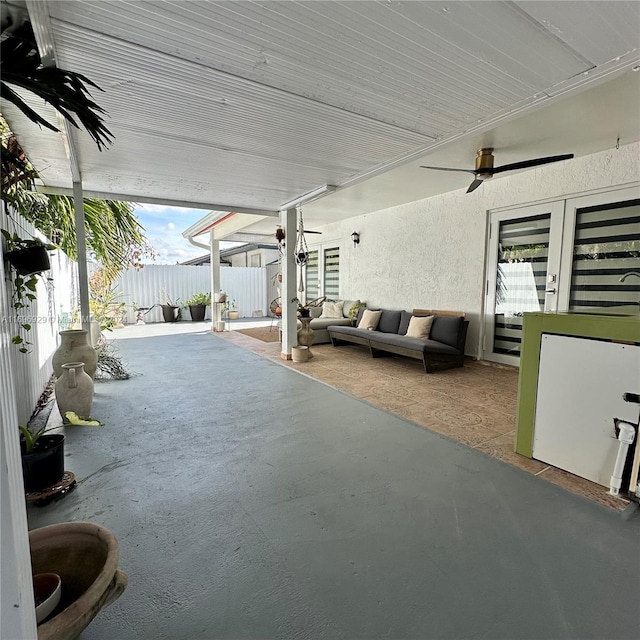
{"x": 307, "y": 231}
{"x": 449, "y": 169}
{"x": 474, "y": 185}
{"x": 530, "y": 163}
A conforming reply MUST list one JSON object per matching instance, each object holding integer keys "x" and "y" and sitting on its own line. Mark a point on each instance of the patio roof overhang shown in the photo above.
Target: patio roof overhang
{"x": 247, "y": 106}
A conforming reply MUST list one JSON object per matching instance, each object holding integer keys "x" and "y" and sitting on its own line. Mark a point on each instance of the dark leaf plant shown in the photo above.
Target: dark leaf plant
{"x": 30, "y": 438}
{"x": 24, "y": 287}
{"x": 21, "y": 66}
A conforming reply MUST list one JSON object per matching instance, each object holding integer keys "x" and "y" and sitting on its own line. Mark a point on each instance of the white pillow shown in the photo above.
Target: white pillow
{"x": 332, "y": 309}
{"x": 370, "y": 319}
{"x": 420, "y": 327}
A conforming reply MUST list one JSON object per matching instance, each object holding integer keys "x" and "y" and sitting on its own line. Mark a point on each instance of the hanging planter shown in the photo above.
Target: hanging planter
{"x": 27, "y": 256}
{"x": 29, "y": 260}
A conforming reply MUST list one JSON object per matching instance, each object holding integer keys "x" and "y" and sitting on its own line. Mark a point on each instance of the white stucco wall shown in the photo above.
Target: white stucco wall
{"x": 431, "y": 253}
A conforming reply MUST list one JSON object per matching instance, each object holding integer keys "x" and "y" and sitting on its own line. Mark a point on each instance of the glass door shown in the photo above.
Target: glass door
{"x": 523, "y": 267}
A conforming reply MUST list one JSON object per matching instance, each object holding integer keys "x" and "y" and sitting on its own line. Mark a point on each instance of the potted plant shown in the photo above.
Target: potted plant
{"x": 171, "y": 311}
{"x": 198, "y": 304}
{"x": 232, "y": 310}
{"x": 302, "y": 310}
{"x": 42, "y": 458}
{"x": 27, "y": 255}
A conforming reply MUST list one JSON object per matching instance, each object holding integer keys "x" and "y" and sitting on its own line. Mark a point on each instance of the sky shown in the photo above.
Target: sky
{"x": 164, "y": 226}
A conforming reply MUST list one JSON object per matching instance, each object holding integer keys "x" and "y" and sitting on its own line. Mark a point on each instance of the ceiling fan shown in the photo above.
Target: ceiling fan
{"x": 485, "y": 169}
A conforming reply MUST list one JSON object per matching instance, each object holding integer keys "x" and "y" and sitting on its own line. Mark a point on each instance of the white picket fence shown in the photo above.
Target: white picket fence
{"x": 153, "y": 284}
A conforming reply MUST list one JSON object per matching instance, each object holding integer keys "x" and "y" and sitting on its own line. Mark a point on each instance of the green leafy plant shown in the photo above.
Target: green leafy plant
{"x": 104, "y": 304}
{"x": 199, "y": 298}
{"x": 30, "y": 438}
{"x": 353, "y": 311}
{"x": 166, "y": 299}
{"x": 24, "y": 286}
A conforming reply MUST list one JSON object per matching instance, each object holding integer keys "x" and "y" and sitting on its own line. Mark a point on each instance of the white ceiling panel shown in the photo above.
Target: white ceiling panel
{"x": 254, "y": 104}
{"x": 599, "y": 31}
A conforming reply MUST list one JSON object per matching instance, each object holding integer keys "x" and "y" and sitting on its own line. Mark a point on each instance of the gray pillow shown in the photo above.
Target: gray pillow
{"x": 445, "y": 329}
{"x": 405, "y": 317}
{"x": 315, "y": 312}
{"x": 359, "y": 316}
{"x": 389, "y": 321}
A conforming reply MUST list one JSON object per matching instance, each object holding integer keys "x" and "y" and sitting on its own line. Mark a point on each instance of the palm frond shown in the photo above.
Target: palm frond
{"x": 20, "y": 66}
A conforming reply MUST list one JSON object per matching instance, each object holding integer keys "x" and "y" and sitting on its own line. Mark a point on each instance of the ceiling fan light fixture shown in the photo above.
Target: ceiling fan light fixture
{"x": 485, "y": 169}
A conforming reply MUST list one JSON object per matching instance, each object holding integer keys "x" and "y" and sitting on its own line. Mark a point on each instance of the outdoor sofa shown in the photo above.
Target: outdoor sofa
{"x": 320, "y": 322}
{"x": 442, "y": 349}
{"x": 322, "y": 317}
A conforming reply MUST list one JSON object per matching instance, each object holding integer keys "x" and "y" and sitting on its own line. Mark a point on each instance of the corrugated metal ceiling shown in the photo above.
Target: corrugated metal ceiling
{"x": 255, "y": 103}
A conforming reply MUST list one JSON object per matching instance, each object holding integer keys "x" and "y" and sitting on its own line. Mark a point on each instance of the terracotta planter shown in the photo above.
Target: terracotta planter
{"x": 299, "y": 354}
{"x": 75, "y": 348}
{"x": 85, "y": 556}
{"x": 44, "y": 466}
{"x": 29, "y": 260}
{"x": 74, "y": 390}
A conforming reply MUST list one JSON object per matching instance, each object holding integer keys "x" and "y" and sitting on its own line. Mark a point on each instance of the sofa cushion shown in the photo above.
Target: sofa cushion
{"x": 350, "y": 331}
{"x": 361, "y": 310}
{"x": 315, "y": 312}
{"x": 411, "y": 343}
{"x": 419, "y": 327}
{"x": 318, "y": 324}
{"x": 370, "y": 320}
{"x": 332, "y": 309}
{"x": 389, "y": 321}
{"x": 446, "y": 329}
{"x": 405, "y": 317}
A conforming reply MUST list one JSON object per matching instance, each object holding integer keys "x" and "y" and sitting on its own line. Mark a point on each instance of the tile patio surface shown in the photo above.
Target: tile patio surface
{"x": 475, "y": 405}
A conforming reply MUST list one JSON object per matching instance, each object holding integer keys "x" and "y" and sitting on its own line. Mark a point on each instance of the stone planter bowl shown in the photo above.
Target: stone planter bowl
{"x": 85, "y": 556}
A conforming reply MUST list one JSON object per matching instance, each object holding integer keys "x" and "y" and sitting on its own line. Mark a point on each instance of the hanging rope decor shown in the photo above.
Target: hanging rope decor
{"x": 302, "y": 251}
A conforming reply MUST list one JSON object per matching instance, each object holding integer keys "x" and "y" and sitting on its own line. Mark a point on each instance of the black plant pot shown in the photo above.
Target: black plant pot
{"x": 170, "y": 313}
{"x": 197, "y": 312}
{"x": 44, "y": 466}
{"x": 29, "y": 260}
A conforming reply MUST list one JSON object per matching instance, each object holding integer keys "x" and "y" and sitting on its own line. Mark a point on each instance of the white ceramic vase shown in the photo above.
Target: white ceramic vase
{"x": 74, "y": 347}
{"x": 74, "y": 390}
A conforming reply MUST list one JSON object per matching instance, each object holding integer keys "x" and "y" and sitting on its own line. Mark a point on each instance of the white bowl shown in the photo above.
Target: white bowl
{"x": 47, "y": 589}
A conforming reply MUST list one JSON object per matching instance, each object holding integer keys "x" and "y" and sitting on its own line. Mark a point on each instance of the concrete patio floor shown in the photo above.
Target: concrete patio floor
{"x": 253, "y": 502}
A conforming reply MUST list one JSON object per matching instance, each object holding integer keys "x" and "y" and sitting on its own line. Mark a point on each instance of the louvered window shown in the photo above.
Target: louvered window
{"x": 332, "y": 273}
{"x": 520, "y": 280}
{"x": 606, "y": 246}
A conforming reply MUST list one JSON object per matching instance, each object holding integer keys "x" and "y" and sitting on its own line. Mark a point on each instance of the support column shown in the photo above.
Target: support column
{"x": 83, "y": 276}
{"x": 216, "y": 310}
{"x": 289, "y": 309}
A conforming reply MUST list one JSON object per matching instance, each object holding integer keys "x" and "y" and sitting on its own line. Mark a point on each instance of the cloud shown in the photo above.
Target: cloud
{"x": 164, "y": 226}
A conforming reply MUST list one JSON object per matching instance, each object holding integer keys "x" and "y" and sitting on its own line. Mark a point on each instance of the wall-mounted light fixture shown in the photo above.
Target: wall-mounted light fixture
{"x": 355, "y": 236}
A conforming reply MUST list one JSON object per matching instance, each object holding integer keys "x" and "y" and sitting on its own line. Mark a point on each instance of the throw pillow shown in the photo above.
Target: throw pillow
{"x": 420, "y": 327}
{"x": 369, "y": 320}
{"x": 332, "y": 309}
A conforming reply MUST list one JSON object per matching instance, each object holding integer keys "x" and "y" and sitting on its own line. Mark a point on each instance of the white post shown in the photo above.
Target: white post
{"x": 215, "y": 280}
{"x": 289, "y": 316}
{"x": 83, "y": 277}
